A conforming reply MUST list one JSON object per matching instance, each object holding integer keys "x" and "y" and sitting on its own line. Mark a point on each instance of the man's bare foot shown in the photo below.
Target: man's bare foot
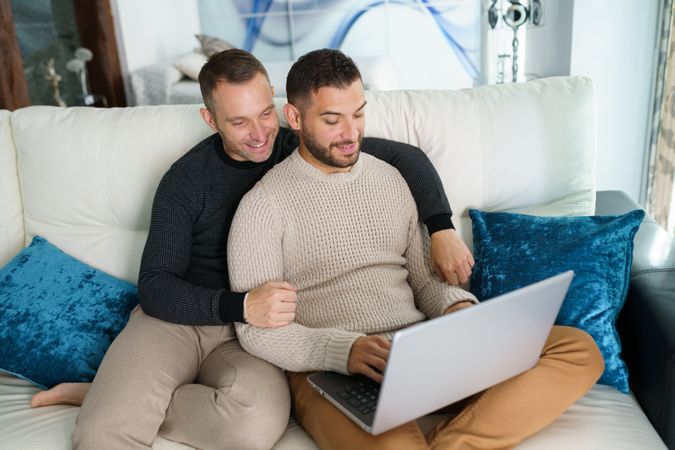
{"x": 61, "y": 394}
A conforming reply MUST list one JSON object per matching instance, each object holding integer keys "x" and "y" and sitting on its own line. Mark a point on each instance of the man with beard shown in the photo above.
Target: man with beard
{"x": 342, "y": 227}
{"x": 177, "y": 368}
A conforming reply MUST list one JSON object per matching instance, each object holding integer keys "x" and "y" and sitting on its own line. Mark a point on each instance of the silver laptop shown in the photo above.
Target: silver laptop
{"x": 441, "y": 361}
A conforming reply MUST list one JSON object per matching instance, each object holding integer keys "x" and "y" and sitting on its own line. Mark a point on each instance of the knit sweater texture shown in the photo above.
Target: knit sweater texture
{"x": 351, "y": 243}
{"x": 183, "y": 274}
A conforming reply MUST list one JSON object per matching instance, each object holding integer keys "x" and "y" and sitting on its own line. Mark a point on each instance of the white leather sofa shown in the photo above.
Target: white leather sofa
{"x": 85, "y": 178}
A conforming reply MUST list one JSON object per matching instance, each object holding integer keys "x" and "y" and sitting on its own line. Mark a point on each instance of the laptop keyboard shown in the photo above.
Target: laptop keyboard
{"x": 362, "y": 396}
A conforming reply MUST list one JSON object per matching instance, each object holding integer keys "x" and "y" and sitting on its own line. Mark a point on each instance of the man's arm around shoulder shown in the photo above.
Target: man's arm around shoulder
{"x": 432, "y": 296}
{"x": 451, "y": 259}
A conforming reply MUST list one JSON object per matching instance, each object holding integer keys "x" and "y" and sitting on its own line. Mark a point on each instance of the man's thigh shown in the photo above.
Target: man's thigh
{"x": 237, "y": 401}
{"x": 150, "y": 350}
{"x": 333, "y": 430}
{"x": 147, "y": 361}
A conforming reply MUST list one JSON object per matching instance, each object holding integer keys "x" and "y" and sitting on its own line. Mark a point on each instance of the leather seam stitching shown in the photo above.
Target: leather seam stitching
{"x": 648, "y": 271}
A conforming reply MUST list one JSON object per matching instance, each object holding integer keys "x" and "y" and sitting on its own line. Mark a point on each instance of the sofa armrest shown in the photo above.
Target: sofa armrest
{"x": 647, "y": 322}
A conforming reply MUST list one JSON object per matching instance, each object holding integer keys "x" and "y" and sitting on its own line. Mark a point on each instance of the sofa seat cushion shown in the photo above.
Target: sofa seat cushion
{"x": 49, "y": 427}
{"x": 604, "y": 419}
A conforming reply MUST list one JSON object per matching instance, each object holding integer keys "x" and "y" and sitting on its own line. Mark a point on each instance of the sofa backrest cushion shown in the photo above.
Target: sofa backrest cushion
{"x": 11, "y": 213}
{"x": 88, "y": 176}
{"x": 526, "y": 147}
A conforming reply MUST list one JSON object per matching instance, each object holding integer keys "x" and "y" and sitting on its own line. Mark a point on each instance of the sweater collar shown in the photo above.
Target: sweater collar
{"x": 302, "y": 166}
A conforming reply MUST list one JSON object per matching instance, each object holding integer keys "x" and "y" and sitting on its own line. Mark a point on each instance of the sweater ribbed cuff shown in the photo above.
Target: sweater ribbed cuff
{"x": 231, "y": 306}
{"x": 437, "y": 296}
{"x": 439, "y": 222}
{"x": 456, "y": 295}
{"x": 337, "y": 352}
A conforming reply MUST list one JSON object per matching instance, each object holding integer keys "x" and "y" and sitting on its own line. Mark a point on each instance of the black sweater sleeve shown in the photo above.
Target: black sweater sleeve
{"x": 164, "y": 292}
{"x": 423, "y": 180}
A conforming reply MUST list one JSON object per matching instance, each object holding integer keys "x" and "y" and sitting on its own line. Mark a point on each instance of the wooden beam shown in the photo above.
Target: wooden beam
{"x": 97, "y": 33}
{"x": 13, "y": 87}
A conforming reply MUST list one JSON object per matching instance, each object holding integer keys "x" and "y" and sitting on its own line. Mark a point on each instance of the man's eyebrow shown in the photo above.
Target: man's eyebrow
{"x": 329, "y": 113}
{"x": 233, "y": 119}
{"x": 333, "y": 113}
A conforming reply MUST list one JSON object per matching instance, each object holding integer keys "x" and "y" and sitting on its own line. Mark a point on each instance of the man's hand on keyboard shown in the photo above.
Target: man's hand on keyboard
{"x": 368, "y": 357}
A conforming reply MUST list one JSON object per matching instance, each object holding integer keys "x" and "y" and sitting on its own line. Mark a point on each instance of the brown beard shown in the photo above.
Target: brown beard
{"x": 323, "y": 154}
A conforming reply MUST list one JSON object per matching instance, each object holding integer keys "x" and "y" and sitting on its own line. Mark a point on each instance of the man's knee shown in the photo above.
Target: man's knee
{"x": 261, "y": 390}
{"x": 257, "y": 426}
{"x": 587, "y": 355}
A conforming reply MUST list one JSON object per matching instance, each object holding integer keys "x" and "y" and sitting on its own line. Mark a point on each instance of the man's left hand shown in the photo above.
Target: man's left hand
{"x": 450, "y": 257}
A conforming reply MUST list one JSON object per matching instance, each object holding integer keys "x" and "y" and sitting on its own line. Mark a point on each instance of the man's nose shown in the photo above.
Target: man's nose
{"x": 350, "y": 131}
{"x": 257, "y": 132}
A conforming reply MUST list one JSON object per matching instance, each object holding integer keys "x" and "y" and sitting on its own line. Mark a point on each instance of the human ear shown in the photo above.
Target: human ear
{"x": 208, "y": 118}
{"x": 292, "y": 115}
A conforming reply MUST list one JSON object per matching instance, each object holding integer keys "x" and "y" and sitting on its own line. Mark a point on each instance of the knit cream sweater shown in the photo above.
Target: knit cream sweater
{"x": 352, "y": 245}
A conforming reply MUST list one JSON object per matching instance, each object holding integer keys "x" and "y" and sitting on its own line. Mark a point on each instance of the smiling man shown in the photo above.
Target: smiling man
{"x": 177, "y": 368}
{"x": 342, "y": 227}
{"x": 244, "y": 117}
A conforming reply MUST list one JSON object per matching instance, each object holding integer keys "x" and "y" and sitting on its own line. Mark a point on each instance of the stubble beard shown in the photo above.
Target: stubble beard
{"x": 324, "y": 155}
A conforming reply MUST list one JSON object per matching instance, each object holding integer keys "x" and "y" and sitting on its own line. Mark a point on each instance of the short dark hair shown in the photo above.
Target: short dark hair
{"x": 231, "y": 66}
{"x": 319, "y": 68}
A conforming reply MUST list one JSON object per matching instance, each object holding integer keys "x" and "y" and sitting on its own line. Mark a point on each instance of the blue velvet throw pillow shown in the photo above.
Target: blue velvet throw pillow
{"x": 58, "y": 316}
{"x": 515, "y": 250}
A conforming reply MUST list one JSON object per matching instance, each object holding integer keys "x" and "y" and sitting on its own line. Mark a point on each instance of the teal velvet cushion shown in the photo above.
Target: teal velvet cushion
{"x": 58, "y": 316}
{"x": 514, "y": 250}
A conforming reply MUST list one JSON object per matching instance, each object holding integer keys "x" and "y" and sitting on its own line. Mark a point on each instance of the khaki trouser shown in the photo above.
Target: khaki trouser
{"x": 498, "y": 418}
{"x": 194, "y": 385}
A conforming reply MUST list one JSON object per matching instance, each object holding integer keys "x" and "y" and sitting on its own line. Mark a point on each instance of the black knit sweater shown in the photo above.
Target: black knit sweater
{"x": 183, "y": 276}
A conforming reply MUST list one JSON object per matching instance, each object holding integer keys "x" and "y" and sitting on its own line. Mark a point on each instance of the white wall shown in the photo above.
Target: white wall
{"x": 613, "y": 42}
{"x": 153, "y": 31}
{"x": 549, "y": 45}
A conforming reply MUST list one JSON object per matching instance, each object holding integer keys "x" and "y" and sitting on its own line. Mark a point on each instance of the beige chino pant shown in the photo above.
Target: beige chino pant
{"x": 194, "y": 385}
{"x": 498, "y": 418}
